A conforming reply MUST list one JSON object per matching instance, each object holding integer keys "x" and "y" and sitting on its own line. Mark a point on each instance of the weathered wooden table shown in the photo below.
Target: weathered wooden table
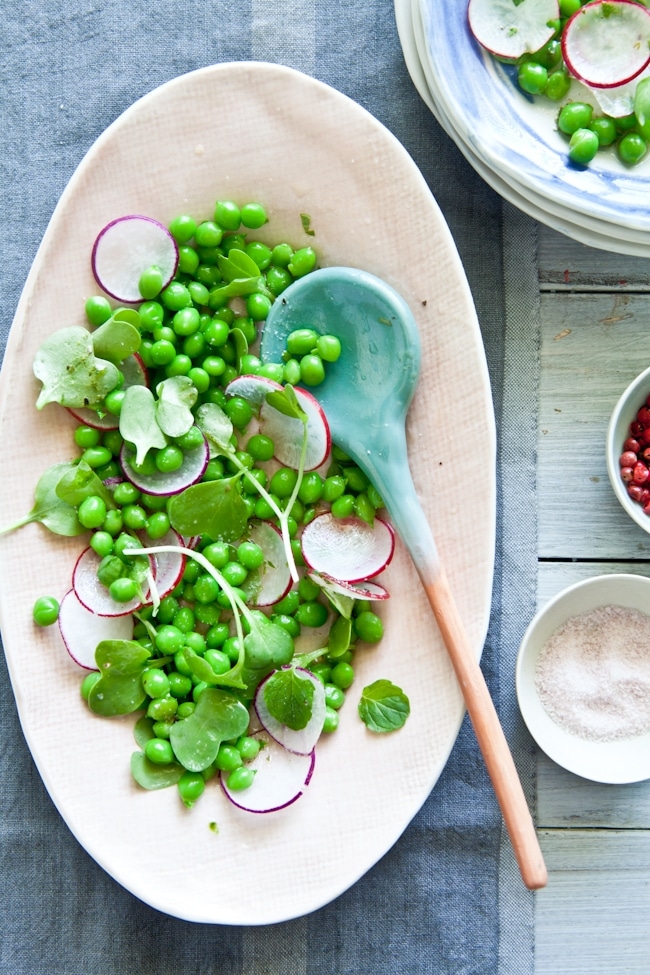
{"x": 594, "y": 916}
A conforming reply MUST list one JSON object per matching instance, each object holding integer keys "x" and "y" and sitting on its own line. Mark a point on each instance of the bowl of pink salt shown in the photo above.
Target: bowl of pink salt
{"x": 583, "y": 678}
{"x": 628, "y": 450}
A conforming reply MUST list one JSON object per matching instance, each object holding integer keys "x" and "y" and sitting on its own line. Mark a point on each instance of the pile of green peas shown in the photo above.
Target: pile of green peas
{"x": 545, "y": 73}
{"x": 187, "y": 329}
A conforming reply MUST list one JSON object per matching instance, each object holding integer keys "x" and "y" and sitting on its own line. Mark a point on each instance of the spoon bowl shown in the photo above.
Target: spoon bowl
{"x": 366, "y": 395}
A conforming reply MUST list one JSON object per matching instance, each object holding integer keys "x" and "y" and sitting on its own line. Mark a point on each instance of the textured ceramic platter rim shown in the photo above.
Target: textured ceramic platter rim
{"x": 517, "y": 139}
{"x": 249, "y": 131}
{"x": 611, "y": 762}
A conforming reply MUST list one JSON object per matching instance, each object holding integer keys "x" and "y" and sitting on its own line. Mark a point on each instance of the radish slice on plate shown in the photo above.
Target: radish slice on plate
{"x": 275, "y": 575}
{"x": 287, "y": 432}
{"x": 347, "y": 549}
{"x": 605, "y": 43}
{"x": 135, "y": 374}
{"x": 301, "y": 742}
{"x": 191, "y": 470}
{"x": 92, "y": 594}
{"x": 371, "y": 591}
{"x": 125, "y": 249}
{"x": 510, "y": 30}
{"x": 252, "y": 388}
{"x": 82, "y": 630}
{"x": 281, "y": 777}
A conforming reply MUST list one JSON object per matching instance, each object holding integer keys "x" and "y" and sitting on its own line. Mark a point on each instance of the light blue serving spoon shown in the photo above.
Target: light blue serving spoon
{"x": 366, "y": 395}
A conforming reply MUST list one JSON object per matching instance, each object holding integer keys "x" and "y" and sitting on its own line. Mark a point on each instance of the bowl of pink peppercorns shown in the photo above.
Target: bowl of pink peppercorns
{"x": 628, "y": 450}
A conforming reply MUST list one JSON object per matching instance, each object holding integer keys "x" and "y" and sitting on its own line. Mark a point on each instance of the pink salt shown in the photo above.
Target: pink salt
{"x": 593, "y": 674}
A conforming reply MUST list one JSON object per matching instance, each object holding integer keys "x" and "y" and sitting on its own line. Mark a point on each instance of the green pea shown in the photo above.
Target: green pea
{"x": 301, "y": 341}
{"x": 98, "y": 310}
{"x": 159, "y": 751}
{"x": 632, "y": 148}
{"x": 162, "y": 352}
{"x": 253, "y": 216}
{"x": 102, "y": 543}
{"x": 125, "y": 493}
{"x": 328, "y": 348}
{"x": 157, "y": 525}
{"x": 218, "y": 660}
{"x": 302, "y": 262}
{"x": 369, "y": 627}
{"x": 532, "y": 77}
{"x": 558, "y": 85}
{"x": 333, "y": 488}
{"x": 260, "y": 253}
{"x": 228, "y": 758}
{"x": 574, "y": 116}
{"x": 241, "y": 778}
{"x": 291, "y": 372}
{"x": 217, "y": 553}
{"x": 96, "y": 456}
{"x": 283, "y": 482}
{"x": 191, "y": 787}
{"x": 175, "y": 296}
{"x": 277, "y": 279}
{"x": 169, "y": 639}
{"x": 169, "y": 459}
{"x": 186, "y": 321}
{"x": 196, "y": 642}
{"x": 342, "y": 675}
{"x": 113, "y": 522}
{"x": 185, "y": 709}
{"x": 227, "y": 214}
{"x": 331, "y": 721}
{"x": 85, "y": 436}
{"x": 272, "y": 370}
{"x": 343, "y": 507}
{"x": 583, "y": 146}
{"x": 88, "y": 682}
{"x": 123, "y": 590}
{"x": 151, "y": 315}
{"x": 289, "y": 604}
{"x": 334, "y": 696}
{"x": 232, "y": 647}
{"x": 258, "y": 306}
{"x": 234, "y": 573}
{"x": 312, "y": 370}
{"x": 605, "y": 129}
{"x": 239, "y": 412}
{"x": 45, "y": 611}
{"x": 150, "y": 282}
{"x": 92, "y": 512}
{"x": 163, "y": 708}
{"x": 311, "y": 614}
{"x": 250, "y": 555}
{"x": 206, "y": 588}
{"x": 288, "y": 623}
{"x": 248, "y": 747}
{"x": 281, "y": 255}
{"x": 182, "y": 228}
{"x": 155, "y": 682}
{"x": 185, "y": 620}
{"x": 217, "y": 635}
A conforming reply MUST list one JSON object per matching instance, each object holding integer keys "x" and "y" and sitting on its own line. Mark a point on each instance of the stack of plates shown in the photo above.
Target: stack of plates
{"x": 512, "y": 142}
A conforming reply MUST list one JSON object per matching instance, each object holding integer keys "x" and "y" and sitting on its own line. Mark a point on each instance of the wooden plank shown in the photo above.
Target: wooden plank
{"x": 592, "y": 346}
{"x": 565, "y": 265}
{"x": 592, "y": 919}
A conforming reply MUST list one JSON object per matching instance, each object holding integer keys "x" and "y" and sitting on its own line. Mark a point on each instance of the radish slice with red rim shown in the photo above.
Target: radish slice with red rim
{"x": 82, "y": 630}
{"x": 606, "y": 43}
{"x": 347, "y": 549}
{"x": 510, "y": 30}
{"x": 92, "y": 594}
{"x": 191, "y": 470}
{"x": 273, "y": 581}
{"x": 371, "y": 591}
{"x": 127, "y": 247}
{"x": 135, "y": 374}
{"x": 301, "y": 742}
{"x": 287, "y": 432}
{"x": 281, "y": 778}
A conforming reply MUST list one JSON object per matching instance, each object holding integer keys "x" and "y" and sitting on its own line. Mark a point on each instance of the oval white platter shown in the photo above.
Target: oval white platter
{"x": 253, "y": 131}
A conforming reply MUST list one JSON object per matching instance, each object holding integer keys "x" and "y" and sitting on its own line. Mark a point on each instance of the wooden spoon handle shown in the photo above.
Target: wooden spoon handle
{"x": 489, "y": 733}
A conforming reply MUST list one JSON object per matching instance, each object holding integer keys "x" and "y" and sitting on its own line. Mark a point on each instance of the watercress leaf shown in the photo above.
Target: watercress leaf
{"x": 203, "y": 672}
{"x": 217, "y": 717}
{"x": 119, "y": 690}
{"x": 286, "y": 402}
{"x": 305, "y": 220}
{"x": 342, "y": 604}
{"x": 116, "y": 339}
{"x": 289, "y": 698}
{"x": 214, "y": 508}
{"x": 138, "y": 423}
{"x": 80, "y": 481}
{"x": 176, "y": 397}
{"x": 150, "y": 776}
{"x": 267, "y": 644}
{"x": 340, "y": 636}
{"x": 143, "y": 730}
{"x": 237, "y": 265}
{"x": 383, "y": 706}
{"x": 70, "y": 372}
{"x": 241, "y": 345}
{"x": 216, "y": 427}
{"x": 53, "y": 512}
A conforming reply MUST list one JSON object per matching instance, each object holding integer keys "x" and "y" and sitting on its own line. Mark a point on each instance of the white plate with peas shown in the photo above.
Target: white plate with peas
{"x": 347, "y": 179}
{"x": 515, "y": 137}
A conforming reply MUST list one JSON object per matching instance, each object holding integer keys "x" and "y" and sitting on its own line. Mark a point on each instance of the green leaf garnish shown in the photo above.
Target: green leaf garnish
{"x": 79, "y": 482}
{"x": 305, "y": 220}
{"x": 70, "y": 372}
{"x": 119, "y": 690}
{"x": 116, "y": 339}
{"x": 214, "y": 508}
{"x": 289, "y": 698}
{"x": 176, "y": 397}
{"x": 217, "y": 428}
{"x": 267, "y": 644}
{"x": 285, "y": 401}
{"x": 138, "y": 422}
{"x": 54, "y": 512}
{"x": 150, "y": 776}
{"x": 218, "y": 717}
{"x": 383, "y": 706}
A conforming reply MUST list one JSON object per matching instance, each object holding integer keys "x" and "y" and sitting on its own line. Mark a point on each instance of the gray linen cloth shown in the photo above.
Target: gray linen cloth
{"x": 446, "y": 900}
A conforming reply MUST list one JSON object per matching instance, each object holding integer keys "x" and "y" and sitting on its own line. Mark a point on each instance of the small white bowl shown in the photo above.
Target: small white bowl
{"x": 620, "y": 761}
{"x": 618, "y": 431}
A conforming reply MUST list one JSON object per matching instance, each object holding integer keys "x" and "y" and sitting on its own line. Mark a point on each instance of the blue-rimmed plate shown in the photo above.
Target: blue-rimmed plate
{"x": 516, "y": 138}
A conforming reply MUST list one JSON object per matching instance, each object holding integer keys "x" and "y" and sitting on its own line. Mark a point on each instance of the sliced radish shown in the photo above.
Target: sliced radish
{"x": 287, "y": 433}
{"x": 510, "y": 30}
{"x": 169, "y": 564}
{"x": 605, "y": 43}
{"x": 82, "y": 630}
{"x": 281, "y": 777}
{"x": 191, "y": 470}
{"x": 275, "y": 575}
{"x": 252, "y": 388}
{"x": 135, "y": 374}
{"x": 347, "y": 549}
{"x": 301, "y": 742}
{"x": 125, "y": 249}
{"x": 90, "y": 592}
{"x": 371, "y": 591}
